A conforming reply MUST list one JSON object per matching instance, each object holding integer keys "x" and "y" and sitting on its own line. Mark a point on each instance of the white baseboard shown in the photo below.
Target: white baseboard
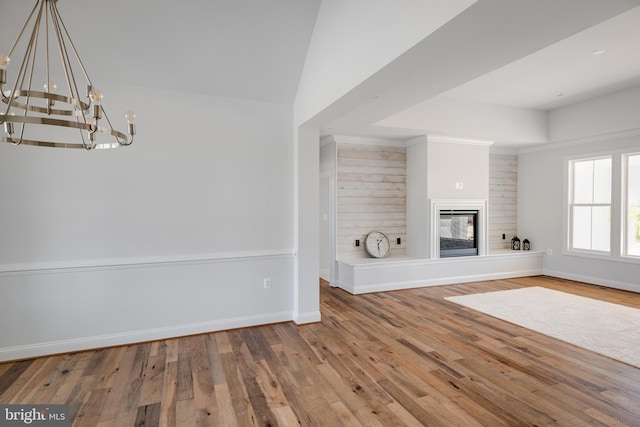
{"x": 625, "y": 286}
{"x": 394, "y": 286}
{"x": 325, "y": 274}
{"x": 310, "y": 317}
{"x": 87, "y": 343}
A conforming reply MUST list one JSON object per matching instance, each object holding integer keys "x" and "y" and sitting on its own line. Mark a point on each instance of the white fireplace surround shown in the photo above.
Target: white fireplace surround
{"x": 438, "y": 205}
{"x": 359, "y": 276}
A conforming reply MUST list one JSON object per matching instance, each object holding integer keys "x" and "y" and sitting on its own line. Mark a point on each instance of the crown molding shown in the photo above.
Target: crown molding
{"x": 456, "y": 140}
{"x": 363, "y": 140}
{"x": 557, "y": 145}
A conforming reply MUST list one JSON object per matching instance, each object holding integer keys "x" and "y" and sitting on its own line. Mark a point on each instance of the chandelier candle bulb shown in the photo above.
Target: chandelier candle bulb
{"x": 4, "y": 61}
{"x": 50, "y": 88}
{"x": 131, "y": 116}
{"x": 96, "y": 96}
{"x": 8, "y": 126}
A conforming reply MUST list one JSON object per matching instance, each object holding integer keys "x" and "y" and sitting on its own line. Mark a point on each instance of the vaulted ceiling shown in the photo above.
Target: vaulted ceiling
{"x": 232, "y": 48}
{"x": 256, "y": 49}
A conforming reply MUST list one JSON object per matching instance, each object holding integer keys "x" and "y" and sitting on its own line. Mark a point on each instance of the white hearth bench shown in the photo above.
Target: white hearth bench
{"x": 364, "y": 275}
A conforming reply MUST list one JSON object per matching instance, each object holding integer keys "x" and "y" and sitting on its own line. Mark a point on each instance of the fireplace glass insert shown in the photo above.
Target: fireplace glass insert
{"x": 458, "y": 233}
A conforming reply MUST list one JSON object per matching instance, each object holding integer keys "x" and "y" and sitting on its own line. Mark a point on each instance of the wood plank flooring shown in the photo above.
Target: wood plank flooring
{"x": 403, "y": 358}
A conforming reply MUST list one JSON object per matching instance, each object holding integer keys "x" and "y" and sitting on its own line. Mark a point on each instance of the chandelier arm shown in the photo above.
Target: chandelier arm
{"x": 6, "y": 97}
{"x": 29, "y": 58}
{"x": 20, "y": 76}
{"x": 119, "y": 136}
{"x": 72, "y": 85}
{"x": 127, "y": 141}
{"x": 19, "y": 141}
{"x": 84, "y": 142}
{"x": 106, "y": 117}
{"x": 35, "y": 6}
{"x": 73, "y": 46}
{"x": 46, "y": 38}
{"x": 33, "y": 52}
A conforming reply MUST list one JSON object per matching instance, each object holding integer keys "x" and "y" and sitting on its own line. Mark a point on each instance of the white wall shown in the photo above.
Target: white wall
{"x": 443, "y": 115}
{"x": 418, "y": 208}
{"x": 541, "y": 200}
{"x": 449, "y": 163}
{"x": 169, "y": 236}
{"x": 306, "y": 230}
{"x": 327, "y": 208}
{"x": 605, "y": 115}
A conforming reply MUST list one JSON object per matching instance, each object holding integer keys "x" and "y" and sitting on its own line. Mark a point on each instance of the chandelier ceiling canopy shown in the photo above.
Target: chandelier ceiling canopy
{"x": 33, "y": 110}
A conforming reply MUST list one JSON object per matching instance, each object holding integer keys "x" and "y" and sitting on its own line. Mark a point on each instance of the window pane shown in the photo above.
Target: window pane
{"x": 602, "y": 181}
{"x": 633, "y": 205}
{"x": 600, "y": 228}
{"x": 581, "y": 227}
{"x": 591, "y": 204}
{"x": 583, "y": 182}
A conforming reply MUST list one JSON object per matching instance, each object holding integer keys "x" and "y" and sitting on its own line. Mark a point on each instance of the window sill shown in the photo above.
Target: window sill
{"x": 604, "y": 257}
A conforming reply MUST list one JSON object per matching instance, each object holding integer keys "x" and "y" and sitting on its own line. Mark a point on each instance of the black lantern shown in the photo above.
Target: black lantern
{"x": 515, "y": 243}
{"x": 526, "y": 245}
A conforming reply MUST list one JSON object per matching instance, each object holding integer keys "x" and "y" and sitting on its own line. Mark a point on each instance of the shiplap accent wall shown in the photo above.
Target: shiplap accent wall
{"x": 503, "y": 185}
{"x": 371, "y": 196}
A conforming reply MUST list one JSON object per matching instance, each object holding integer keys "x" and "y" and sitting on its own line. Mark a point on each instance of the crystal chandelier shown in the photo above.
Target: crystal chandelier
{"x": 32, "y": 116}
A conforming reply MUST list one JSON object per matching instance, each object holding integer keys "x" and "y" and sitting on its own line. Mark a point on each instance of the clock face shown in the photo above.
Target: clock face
{"x": 377, "y": 245}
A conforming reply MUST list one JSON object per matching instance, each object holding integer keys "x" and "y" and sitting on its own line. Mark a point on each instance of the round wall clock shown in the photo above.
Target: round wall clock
{"x": 377, "y": 245}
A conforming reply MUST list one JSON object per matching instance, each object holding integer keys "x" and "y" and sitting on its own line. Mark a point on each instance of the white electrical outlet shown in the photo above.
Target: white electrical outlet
{"x": 267, "y": 282}
{"x": 549, "y": 251}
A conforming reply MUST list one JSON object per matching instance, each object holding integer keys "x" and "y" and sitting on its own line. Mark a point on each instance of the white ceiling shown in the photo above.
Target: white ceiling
{"x": 250, "y": 49}
{"x": 504, "y": 76}
{"x": 255, "y": 49}
{"x": 567, "y": 71}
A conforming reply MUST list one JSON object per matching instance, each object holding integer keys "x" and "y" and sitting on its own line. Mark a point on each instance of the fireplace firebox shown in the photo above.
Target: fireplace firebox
{"x": 458, "y": 233}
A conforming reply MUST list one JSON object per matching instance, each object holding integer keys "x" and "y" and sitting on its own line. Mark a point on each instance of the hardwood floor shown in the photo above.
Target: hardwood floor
{"x": 405, "y": 358}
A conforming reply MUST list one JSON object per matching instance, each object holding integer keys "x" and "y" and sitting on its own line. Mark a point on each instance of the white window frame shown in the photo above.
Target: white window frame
{"x": 625, "y": 208}
{"x": 570, "y": 205}
{"x": 618, "y": 206}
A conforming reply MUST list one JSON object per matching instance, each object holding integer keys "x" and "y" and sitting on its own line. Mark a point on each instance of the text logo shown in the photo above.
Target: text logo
{"x": 34, "y": 415}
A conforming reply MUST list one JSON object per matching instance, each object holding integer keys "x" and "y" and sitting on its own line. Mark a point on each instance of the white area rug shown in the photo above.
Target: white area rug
{"x": 612, "y": 330}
